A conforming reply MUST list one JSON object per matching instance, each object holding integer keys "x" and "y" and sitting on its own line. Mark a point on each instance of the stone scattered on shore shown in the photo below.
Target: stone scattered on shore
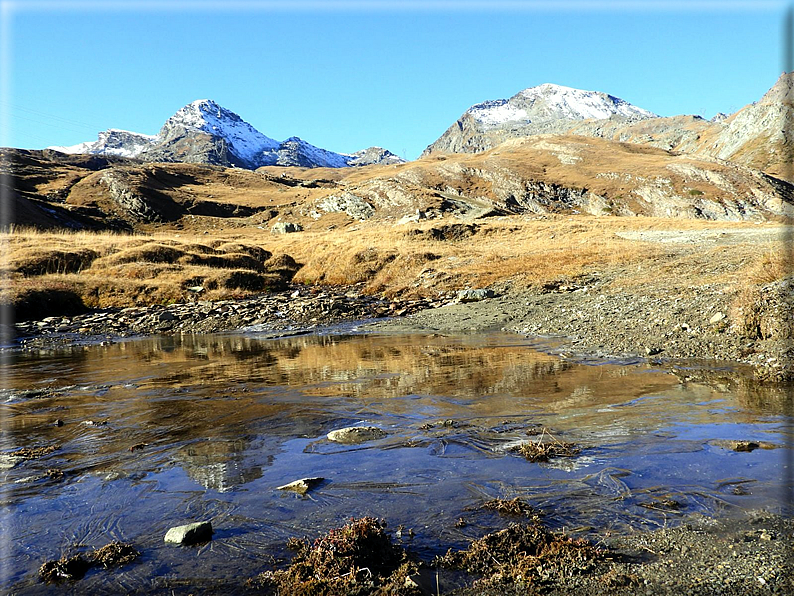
{"x": 190, "y": 533}
{"x": 475, "y": 295}
{"x": 297, "y": 308}
{"x": 356, "y": 434}
{"x": 303, "y": 485}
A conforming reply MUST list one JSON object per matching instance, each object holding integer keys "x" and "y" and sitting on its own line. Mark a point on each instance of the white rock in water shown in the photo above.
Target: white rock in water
{"x": 356, "y": 434}
{"x": 190, "y": 533}
{"x": 301, "y": 486}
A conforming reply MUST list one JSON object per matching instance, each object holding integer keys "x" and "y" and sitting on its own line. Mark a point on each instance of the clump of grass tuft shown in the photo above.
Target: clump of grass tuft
{"x": 546, "y": 447}
{"x": 763, "y": 304}
{"x": 63, "y": 274}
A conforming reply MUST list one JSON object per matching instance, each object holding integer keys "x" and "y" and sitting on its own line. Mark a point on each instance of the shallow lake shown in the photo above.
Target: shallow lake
{"x": 165, "y": 431}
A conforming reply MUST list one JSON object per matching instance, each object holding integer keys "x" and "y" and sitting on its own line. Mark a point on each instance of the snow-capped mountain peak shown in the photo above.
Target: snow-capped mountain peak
{"x": 205, "y": 132}
{"x": 113, "y": 141}
{"x": 577, "y": 104}
{"x": 554, "y": 102}
{"x": 207, "y": 116}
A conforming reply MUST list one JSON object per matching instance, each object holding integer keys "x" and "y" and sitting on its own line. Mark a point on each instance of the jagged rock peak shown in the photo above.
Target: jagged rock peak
{"x": 781, "y": 92}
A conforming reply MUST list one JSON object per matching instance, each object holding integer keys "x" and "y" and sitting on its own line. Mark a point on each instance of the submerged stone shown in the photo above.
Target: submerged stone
{"x": 356, "y": 434}
{"x": 190, "y": 533}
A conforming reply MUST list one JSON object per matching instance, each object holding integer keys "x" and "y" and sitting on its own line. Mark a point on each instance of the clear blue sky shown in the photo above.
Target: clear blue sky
{"x": 366, "y": 73}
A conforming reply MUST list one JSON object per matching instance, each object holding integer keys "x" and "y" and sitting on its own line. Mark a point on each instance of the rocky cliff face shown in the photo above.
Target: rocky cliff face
{"x": 205, "y": 132}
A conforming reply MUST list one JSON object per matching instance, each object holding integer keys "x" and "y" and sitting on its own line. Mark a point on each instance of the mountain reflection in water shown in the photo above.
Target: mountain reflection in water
{"x": 163, "y": 431}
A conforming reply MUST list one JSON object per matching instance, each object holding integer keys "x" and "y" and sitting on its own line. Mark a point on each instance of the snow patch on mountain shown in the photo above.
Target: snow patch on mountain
{"x": 373, "y": 155}
{"x": 114, "y": 141}
{"x": 548, "y": 102}
{"x": 297, "y": 152}
{"x": 497, "y": 112}
{"x": 577, "y": 104}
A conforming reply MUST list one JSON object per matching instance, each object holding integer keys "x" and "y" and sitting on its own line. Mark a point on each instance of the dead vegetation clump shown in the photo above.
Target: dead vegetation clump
{"x": 113, "y": 554}
{"x": 75, "y": 567}
{"x": 33, "y": 452}
{"x": 64, "y": 569}
{"x": 356, "y": 559}
{"x": 546, "y": 447}
{"x": 514, "y": 507}
{"x": 522, "y": 554}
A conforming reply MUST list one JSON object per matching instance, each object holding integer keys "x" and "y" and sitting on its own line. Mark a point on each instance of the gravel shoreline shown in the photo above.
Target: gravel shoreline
{"x": 299, "y": 309}
{"x": 587, "y": 319}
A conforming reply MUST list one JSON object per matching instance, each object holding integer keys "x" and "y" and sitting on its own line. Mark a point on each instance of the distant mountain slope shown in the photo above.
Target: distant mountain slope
{"x": 122, "y": 143}
{"x": 545, "y": 109}
{"x": 205, "y": 132}
{"x": 759, "y": 135}
{"x": 535, "y": 175}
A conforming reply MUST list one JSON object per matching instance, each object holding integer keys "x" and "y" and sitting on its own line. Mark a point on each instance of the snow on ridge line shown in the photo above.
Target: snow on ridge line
{"x": 551, "y": 101}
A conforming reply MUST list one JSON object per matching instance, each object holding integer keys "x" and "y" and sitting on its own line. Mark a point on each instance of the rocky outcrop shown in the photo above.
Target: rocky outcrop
{"x": 135, "y": 205}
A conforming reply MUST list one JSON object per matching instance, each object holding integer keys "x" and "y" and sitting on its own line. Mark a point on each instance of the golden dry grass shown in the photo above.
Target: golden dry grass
{"x": 111, "y": 269}
{"x": 760, "y": 310}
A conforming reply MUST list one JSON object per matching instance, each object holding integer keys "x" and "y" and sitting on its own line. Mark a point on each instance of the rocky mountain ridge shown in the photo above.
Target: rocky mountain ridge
{"x": 533, "y": 176}
{"x": 205, "y": 132}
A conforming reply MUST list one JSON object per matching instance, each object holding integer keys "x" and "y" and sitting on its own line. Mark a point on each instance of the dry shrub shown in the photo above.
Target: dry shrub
{"x": 358, "y": 558}
{"x": 64, "y": 569}
{"x": 516, "y": 507}
{"x": 115, "y": 553}
{"x": 520, "y": 554}
{"x": 75, "y": 567}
